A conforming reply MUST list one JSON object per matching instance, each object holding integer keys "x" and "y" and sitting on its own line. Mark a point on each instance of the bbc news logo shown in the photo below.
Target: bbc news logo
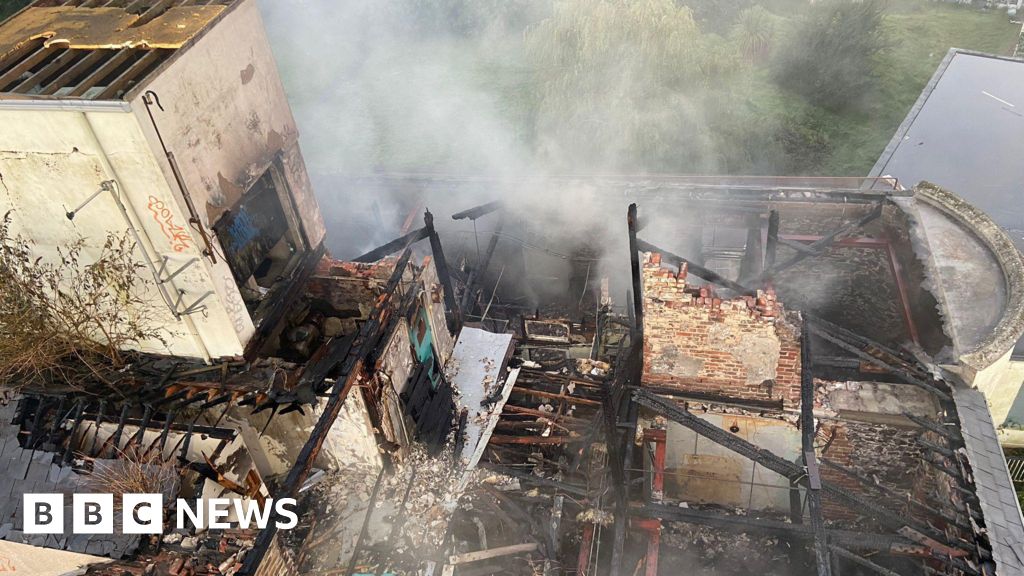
{"x": 144, "y": 513}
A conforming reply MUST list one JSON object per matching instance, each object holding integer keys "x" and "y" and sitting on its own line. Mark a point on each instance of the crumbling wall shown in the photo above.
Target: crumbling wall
{"x": 743, "y": 348}
{"x": 882, "y": 453}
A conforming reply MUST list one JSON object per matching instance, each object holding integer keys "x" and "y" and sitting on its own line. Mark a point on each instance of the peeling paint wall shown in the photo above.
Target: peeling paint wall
{"x": 698, "y": 470}
{"x": 52, "y": 160}
{"x": 226, "y": 118}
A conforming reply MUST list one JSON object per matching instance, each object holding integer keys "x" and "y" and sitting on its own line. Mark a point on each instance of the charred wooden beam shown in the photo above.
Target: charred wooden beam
{"x": 478, "y": 211}
{"x": 904, "y": 374}
{"x": 395, "y": 245}
{"x": 351, "y": 366}
{"x": 712, "y": 398}
{"x": 807, "y": 433}
{"x": 778, "y": 464}
{"x": 634, "y": 264}
{"x": 441, "y": 265}
{"x": 698, "y": 270}
{"x": 947, "y": 433}
{"x": 79, "y": 416}
{"x": 819, "y": 246}
{"x": 772, "y": 242}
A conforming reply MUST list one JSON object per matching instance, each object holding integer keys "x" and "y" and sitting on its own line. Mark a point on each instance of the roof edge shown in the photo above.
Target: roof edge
{"x": 1010, "y": 327}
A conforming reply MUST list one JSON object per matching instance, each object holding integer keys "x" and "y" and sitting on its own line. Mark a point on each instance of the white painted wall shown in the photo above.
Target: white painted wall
{"x": 53, "y": 158}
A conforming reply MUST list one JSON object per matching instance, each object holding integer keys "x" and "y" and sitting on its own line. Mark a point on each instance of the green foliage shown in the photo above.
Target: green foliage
{"x": 830, "y": 57}
{"x": 66, "y": 322}
{"x": 615, "y": 83}
{"x": 8, "y": 7}
{"x": 755, "y": 31}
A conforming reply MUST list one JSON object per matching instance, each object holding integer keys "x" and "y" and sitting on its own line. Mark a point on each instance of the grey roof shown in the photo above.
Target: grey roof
{"x": 999, "y": 505}
{"x": 963, "y": 133}
{"x": 24, "y": 471}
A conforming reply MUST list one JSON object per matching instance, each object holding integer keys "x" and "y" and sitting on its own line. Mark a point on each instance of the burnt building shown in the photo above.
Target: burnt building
{"x": 722, "y": 375}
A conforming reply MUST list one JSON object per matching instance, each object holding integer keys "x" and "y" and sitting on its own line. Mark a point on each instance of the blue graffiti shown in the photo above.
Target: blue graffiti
{"x": 242, "y": 230}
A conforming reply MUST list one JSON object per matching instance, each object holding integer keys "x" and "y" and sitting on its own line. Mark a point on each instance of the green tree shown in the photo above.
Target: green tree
{"x": 830, "y": 57}
{"x": 619, "y": 85}
{"x": 756, "y": 30}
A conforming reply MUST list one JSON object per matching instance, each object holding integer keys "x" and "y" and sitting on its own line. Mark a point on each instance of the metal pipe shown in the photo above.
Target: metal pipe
{"x": 142, "y": 238}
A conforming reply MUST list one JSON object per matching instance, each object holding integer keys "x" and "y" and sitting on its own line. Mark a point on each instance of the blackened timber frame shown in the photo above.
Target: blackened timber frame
{"x": 778, "y": 464}
{"x": 807, "y": 434}
{"x": 352, "y": 360}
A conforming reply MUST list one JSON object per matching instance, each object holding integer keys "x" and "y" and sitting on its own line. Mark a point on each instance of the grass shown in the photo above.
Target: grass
{"x": 922, "y": 32}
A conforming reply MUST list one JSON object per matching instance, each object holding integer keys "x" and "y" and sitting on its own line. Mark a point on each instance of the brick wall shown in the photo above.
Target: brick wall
{"x": 277, "y": 561}
{"x": 879, "y": 452}
{"x": 744, "y": 348}
{"x": 350, "y": 289}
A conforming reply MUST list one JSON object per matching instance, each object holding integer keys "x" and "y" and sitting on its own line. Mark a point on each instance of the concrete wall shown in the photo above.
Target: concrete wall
{"x": 226, "y": 118}
{"x": 53, "y": 159}
{"x": 698, "y": 470}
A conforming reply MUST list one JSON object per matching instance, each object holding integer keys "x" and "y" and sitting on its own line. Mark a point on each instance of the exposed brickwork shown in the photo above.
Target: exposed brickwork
{"x": 744, "y": 348}
{"x": 879, "y": 452}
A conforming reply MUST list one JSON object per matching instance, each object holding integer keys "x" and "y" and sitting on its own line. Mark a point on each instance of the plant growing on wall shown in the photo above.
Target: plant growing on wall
{"x": 67, "y": 322}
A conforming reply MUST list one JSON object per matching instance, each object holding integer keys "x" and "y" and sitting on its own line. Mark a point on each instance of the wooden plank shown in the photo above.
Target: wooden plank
{"x": 74, "y": 72}
{"x": 551, "y": 396}
{"x": 102, "y": 72}
{"x": 18, "y": 53}
{"x": 121, "y": 82}
{"x": 468, "y": 557}
{"x": 45, "y": 72}
{"x": 27, "y": 63}
{"x": 153, "y": 12}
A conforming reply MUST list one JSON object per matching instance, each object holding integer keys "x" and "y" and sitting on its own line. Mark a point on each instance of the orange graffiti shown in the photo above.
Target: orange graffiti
{"x": 165, "y": 218}
{"x": 6, "y": 565}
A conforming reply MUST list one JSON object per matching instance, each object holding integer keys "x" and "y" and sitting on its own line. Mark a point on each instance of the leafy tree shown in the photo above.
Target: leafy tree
{"x": 66, "y": 323}
{"x": 831, "y": 54}
{"x": 756, "y": 30}
{"x": 618, "y": 85}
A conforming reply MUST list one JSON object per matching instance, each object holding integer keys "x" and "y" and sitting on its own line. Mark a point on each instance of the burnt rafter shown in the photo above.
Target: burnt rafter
{"x": 350, "y": 362}
{"x": 875, "y": 354}
{"x": 807, "y": 432}
{"x": 396, "y": 245}
{"x": 697, "y": 269}
{"x": 817, "y": 248}
{"x": 478, "y": 211}
{"x": 781, "y": 466}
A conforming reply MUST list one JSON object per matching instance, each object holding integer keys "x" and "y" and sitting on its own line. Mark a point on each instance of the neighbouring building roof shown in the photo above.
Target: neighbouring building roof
{"x": 963, "y": 134}
{"x": 995, "y": 492}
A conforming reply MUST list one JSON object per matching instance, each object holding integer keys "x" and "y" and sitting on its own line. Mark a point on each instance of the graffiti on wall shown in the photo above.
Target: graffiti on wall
{"x": 162, "y": 215}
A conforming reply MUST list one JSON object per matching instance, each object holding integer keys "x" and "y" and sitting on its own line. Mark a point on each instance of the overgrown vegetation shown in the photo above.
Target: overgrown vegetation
{"x": 67, "y": 320}
{"x": 689, "y": 86}
{"x": 830, "y": 57}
